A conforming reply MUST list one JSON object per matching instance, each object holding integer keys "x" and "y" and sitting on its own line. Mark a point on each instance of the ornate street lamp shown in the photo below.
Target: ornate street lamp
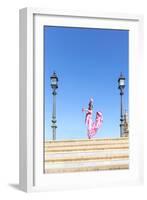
{"x": 54, "y": 86}
{"x": 121, "y": 86}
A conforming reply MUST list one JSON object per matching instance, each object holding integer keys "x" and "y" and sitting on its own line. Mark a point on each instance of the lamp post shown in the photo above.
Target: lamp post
{"x": 121, "y": 86}
{"x": 54, "y": 86}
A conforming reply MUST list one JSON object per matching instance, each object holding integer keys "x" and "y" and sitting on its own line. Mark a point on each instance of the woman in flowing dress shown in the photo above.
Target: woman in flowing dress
{"x": 92, "y": 127}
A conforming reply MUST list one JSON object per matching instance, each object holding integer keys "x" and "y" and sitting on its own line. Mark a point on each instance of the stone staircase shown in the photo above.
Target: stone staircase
{"x": 86, "y": 155}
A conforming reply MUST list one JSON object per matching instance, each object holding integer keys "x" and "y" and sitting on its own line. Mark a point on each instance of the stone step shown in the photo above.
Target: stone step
{"x": 79, "y": 154}
{"x": 85, "y": 158}
{"x": 86, "y": 148}
{"x": 55, "y": 145}
{"x": 86, "y": 155}
{"x": 87, "y": 142}
{"x": 86, "y": 169}
{"x": 86, "y": 166}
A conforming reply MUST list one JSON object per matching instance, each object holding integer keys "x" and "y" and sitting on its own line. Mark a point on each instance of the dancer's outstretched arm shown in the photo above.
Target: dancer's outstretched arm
{"x": 84, "y": 110}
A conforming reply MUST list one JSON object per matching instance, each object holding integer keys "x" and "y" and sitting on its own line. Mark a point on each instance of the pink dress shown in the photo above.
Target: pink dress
{"x": 93, "y": 127}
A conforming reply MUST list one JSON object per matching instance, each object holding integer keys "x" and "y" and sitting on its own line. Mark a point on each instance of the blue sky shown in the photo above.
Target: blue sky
{"x": 88, "y": 63}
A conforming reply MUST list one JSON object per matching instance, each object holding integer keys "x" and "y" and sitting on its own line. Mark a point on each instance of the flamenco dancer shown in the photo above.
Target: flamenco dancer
{"x": 92, "y": 127}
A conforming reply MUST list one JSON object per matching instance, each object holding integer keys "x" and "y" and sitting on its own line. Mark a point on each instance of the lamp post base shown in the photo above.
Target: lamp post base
{"x": 54, "y": 132}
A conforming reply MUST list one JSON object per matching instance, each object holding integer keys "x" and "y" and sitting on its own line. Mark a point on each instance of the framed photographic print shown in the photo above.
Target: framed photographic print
{"x": 80, "y": 84}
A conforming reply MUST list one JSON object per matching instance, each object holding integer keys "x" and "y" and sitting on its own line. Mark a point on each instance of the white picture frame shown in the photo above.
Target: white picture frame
{"x": 31, "y": 174}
